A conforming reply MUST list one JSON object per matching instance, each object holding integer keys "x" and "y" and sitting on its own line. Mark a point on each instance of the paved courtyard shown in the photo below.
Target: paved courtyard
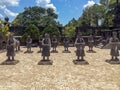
{"x": 62, "y": 75}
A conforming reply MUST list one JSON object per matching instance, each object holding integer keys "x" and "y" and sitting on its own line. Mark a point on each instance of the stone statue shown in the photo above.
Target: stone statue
{"x": 54, "y": 42}
{"x": 29, "y": 42}
{"x": 40, "y": 42}
{"x": 10, "y": 47}
{"x": 46, "y": 45}
{"x": 119, "y": 35}
{"x": 114, "y": 42}
{"x": 17, "y": 44}
{"x": 1, "y": 40}
{"x": 80, "y": 44}
{"x": 90, "y": 42}
{"x": 66, "y": 43}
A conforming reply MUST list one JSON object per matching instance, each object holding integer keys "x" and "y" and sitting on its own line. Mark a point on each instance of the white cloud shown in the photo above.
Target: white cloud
{"x": 10, "y": 13}
{"x": 5, "y": 3}
{"x": 45, "y": 4}
{"x": 1, "y": 16}
{"x": 89, "y": 4}
{"x": 9, "y": 2}
{"x": 7, "y": 11}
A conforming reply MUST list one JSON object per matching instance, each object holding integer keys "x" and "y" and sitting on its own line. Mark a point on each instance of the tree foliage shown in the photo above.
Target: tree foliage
{"x": 110, "y": 10}
{"x": 38, "y": 16}
{"x": 69, "y": 29}
{"x": 91, "y": 16}
{"x": 51, "y": 31}
{"x": 33, "y": 31}
{"x": 4, "y": 29}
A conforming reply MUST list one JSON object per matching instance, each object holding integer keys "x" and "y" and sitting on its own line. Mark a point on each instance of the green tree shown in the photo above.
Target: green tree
{"x": 109, "y": 13}
{"x": 38, "y": 16}
{"x": 52, "y": 31}
{"x": 69, "y": 29}
{"x": 91, "y": 16}
{"x": 33, "y": 31}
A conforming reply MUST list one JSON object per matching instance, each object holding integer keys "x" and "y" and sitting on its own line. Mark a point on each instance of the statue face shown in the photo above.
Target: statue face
{"x": 114, "y": 34}
{"x": 46, "y": 35}
{"x": 10, "y": 36}
{"x": 90, "y": 35}
{"x": 54, "y": 36}
{"x": 79, "y": 36}
{"x": 28, "y": 36}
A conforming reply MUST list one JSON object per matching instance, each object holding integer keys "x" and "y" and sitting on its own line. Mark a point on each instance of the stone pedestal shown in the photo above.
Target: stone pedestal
{"x": 45, "y": 62}
{"x": 28, "y": 52}
{"x": 113, "y": 61}
{"x": 91, "y": 51}
{"x": 80, "y": 62}
{"x": 10, "y": 62}
{"x": 66, "y": 51}
{"x": 39, "y": 51}
{"x": 18, "y": 51}
{"x": 2, "y": 51}
{"x": 53, "y": 51}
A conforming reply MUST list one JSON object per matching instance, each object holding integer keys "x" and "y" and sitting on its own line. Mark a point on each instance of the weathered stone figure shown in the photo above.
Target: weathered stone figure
{"x": 114, "y": 42}
{"x": 17, "y": 44}
{"x": 40, "y": 42}
{"x": 80, "y": 44}
{"x": 1, "y": 40}
{"x": 54, "y": 42}
{"x": 29, "y": 42}
{"x": 10, "y": 47}
{"x": 46, "y": 44}
{"x": 90, "y": 42}
{"x": 119, "y": 35}
{"x": 66, "y": 43}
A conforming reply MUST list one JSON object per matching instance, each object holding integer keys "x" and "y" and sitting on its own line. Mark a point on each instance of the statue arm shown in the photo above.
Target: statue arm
{"x": 110, "y": 40}
{"x": 42, "y": 41}
{"x": 49, "y": 42}
{"x": 56, "y": 40}
{"x": 30, "y": 40}
{"x": 26, "y": 40}
{"x": 76, "y": 41}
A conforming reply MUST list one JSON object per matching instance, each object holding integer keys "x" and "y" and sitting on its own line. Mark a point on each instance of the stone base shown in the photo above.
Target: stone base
{"x": 10, "y": 62}
{"x": 45, "y": 62}
{"x": 66, "y": 52}
{"x": 53, "y": 51}
{"x": 18, "y": 51}
{"x": 39, "y": 51}
{"x": 2, "y": 51}
{"x": 91, "y": 51}
{"x": 111, "y": 61}
{"x": 80, "y": 62}
{"x": 28, "y": 52}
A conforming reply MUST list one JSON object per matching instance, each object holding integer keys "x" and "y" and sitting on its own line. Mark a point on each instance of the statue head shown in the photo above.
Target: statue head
{"x": 28, "y": 36}
{"x": 91, "y": 35}
{"x": 114, "y": 34}
{"x": 46, "y": 35}
{"x": 10, "y": 36}
{"x": 54, "y": 36}
{"x": 79, "y": 35}
{"x": 40, "y": 37}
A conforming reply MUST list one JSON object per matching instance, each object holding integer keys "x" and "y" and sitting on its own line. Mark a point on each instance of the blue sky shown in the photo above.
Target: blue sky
{"x": 66, "y": 9}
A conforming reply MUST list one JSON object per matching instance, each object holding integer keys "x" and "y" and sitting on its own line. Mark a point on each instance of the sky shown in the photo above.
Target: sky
{"x": 66, "y": 9}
